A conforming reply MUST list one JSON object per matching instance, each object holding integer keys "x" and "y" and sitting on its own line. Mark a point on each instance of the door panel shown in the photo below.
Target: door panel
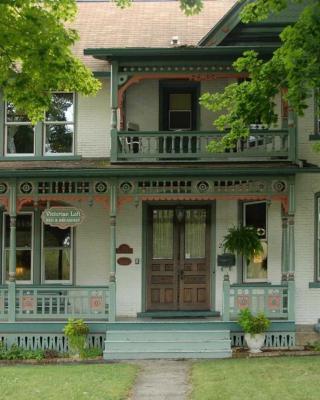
{"x": 178, "y": 275}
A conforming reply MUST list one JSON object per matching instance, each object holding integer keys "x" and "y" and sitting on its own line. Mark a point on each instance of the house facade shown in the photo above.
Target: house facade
{"x": 114, "y": 211}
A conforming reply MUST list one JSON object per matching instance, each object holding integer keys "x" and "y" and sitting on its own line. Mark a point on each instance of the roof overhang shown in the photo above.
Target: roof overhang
{"x": 226, "y": 53}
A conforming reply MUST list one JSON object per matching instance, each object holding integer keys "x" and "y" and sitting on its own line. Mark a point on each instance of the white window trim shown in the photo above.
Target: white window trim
{"x": 18, "y": 281}
{"x": 43, "y": 274}
{"x": 245, "y": 279}
{"x": 13, "y": 123}
{"x": 46, "y": 123}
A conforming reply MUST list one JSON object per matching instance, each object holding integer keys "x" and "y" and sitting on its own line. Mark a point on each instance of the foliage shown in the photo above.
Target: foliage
{"x": 315, "y": 346}
{"x": 253, "y": 324}
{"x": 263, "y": 378}
{"x": 36, "y": 56}
{"x": 18, "y": 353}
{"x": 243, "y": 240}
{"x": 111, "y": 381}
{"x": 189, "y": 7}
{"x": 76, "y": 330}
{"x": 92, "y": 352}
{"x": 294, "y": 66}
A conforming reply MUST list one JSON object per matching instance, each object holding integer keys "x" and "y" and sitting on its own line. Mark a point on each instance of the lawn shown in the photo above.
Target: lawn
{"x": 67, "y": 382}
{"x": 257, "y": 379}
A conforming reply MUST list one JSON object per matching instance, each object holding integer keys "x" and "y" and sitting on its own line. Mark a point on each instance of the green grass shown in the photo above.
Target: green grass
{"x": 257, "y": 379}
{"x": 67, "y": 382}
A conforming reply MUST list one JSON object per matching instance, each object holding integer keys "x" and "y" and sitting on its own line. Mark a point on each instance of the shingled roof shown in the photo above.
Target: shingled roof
{"x": 144, "y": 24}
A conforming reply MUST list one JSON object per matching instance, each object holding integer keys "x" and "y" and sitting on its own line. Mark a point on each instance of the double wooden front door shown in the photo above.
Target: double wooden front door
{"x": 178, "y": 268}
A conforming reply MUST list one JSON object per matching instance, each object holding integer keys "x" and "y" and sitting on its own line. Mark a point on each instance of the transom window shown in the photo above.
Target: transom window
{"x": 255, "y": 215}
{"x": 55, "y": 135}
{"x": 24, "y": 247}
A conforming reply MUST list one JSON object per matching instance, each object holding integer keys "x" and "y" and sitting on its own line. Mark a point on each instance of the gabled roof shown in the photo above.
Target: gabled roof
{"x": 230, "y": 31}
{"x": 149, "y": 24}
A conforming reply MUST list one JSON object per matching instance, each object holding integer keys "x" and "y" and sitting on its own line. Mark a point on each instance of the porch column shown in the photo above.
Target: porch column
{"x": 113, "y": 246}
{"x": 114, "y": 110}
{"x": 292, "y": 132}
{"x": 291, "y": 253}
{"x": 226, "y": 298}
{"x": 284, "y": 249}
{"x": 12, "y": 254}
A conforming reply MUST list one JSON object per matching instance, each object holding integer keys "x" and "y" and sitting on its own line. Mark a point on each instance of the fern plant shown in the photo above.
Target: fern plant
{"x": 243, "y": 240}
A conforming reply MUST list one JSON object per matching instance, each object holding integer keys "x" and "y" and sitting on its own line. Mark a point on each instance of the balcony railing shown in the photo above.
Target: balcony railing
{"x": 58, "y": 303}
{"x": 192, "y": 146}
{"x": 275, "y": 301}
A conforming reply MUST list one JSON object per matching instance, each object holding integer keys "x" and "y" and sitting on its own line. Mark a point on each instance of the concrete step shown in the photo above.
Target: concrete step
{"x": 146, "y": 355}
{"x": 181, "y": 335}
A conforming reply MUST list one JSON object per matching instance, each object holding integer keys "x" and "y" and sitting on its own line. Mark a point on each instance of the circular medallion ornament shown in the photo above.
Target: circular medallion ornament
{"x": 126, "y": 187}
{"x": 100, "y": 187}
{"x": 279, "y": 186}
{"x": 3, "y": 188}
{"x": 203, "y": 186}
{"x": 26, "y": 187}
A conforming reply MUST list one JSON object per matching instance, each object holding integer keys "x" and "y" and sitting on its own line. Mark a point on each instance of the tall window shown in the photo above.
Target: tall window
{"x": 59, "y": 125}
{"x": 24, "y": 246}
{"x": 57, "y": 254}
{"x": 255, "y": 215}
{"x": 19, "y": 132}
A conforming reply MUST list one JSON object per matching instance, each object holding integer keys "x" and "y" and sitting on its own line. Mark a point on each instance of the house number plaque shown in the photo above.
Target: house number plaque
{"x": 63, "y": 217}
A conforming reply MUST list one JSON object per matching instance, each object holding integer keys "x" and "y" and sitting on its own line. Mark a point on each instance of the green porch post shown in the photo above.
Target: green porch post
{"x": 284, "y": 249}
{"x": 291, "y": 252}
{"x": 226, "y": 298}
{"x": 114, "y": 110}
{"x": 12, "y": 254}
{"x": 113, "y": 245}
{"x": 292, "y": 132}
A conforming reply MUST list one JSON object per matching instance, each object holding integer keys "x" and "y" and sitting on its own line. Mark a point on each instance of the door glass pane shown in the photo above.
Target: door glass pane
{"x": 57, "y": 245}
{"x": 195, "y": 233}
{"x": 163, "y": 234}
{"x": 255, "y": 215}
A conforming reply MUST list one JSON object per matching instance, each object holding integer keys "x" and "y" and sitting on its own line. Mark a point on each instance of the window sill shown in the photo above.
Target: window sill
{"x": 314, "y": 137}
{"x": 314, "y": 285}
{"x": 41, "y": 158}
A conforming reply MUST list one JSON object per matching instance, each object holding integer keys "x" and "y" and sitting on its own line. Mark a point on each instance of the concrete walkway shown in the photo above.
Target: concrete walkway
{"x": 162, "y": 380}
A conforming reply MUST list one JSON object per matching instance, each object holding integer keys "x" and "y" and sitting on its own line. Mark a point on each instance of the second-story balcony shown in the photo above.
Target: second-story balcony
{"x": 164, "y": 146}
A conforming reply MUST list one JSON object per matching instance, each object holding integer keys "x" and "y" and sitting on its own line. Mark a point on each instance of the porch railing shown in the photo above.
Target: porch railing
{"x": 58, "y": 303}
{"x": 186, "y": 145}
{"x": 275, "y": 301}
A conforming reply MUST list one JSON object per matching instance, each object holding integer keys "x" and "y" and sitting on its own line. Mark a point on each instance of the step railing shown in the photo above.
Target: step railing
{"x": 193, "y": 146}
{"x": 56, "y": 303}
{"x": 275, "y": 301}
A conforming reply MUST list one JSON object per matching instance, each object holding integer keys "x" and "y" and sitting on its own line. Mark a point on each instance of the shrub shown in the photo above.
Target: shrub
{"x": 76, "y": 330}
{"x": 18, "y": 353}
{"x": 253, "y": 324}
{"x": 92, "y": 352}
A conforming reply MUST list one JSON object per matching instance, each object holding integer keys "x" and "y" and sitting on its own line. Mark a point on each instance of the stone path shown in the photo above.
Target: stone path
{"x": 162, "y": 380}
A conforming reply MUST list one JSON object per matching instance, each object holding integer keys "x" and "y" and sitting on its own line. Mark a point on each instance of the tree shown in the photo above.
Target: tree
{"x": 36, "y": 56}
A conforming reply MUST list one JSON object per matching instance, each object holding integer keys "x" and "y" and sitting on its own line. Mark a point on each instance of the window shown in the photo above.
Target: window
{"x": 59, "y": 125}
{"x": 255, "y": 215}
{"x": 24, "y": 247}
{"x": 19, "y": 132}
{"x": 317, "y": 246}
{"x": 57, "y": 254}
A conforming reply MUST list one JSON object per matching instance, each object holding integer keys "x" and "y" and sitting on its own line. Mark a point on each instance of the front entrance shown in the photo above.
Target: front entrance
{"x": 178, "y": 267}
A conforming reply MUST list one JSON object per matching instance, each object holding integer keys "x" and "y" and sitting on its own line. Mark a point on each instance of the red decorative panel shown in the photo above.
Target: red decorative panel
{"x": 187, "y": 295}
{"x": 274, "y": 302}
{"x": 27, "y": 303}
{"x": 124, "y": 261}
{"x": 243, "y": 301}
{"x": 124, "y": 249}
{"x": 155, "y": 296}
{"x": 97, "y": 303}
{"x": 201, "y": 295}
{"x": 168, "y": 296}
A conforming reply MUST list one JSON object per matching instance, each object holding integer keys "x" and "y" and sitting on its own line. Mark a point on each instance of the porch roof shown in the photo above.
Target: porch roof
{"x": 90, "y": 167}
{"x": 227, "y": 53}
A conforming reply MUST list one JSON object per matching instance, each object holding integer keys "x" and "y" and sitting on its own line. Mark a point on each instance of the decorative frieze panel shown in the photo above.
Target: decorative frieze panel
{"x": 264, "y": 186}
{"x": 175, "y": 68}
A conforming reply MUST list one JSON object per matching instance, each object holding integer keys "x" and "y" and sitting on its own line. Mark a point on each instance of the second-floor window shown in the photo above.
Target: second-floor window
{"x": 53, "y": 136}
{"x": 59, "y": 125}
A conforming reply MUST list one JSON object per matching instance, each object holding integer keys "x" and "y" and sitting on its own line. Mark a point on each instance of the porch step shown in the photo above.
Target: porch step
{"x": 151, "y": 340}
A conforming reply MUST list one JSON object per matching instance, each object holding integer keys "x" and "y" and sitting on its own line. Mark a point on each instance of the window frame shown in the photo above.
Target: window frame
{"x": 16, "y": 123}
{"x": 4, "y": 248}
{"x": 43, "y": 274}
{"x": 47, "y": 123}
{"x": 244, "y": 266}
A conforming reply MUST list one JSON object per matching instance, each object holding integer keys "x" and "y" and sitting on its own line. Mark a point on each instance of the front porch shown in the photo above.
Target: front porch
{"x": 115, "y": 285}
